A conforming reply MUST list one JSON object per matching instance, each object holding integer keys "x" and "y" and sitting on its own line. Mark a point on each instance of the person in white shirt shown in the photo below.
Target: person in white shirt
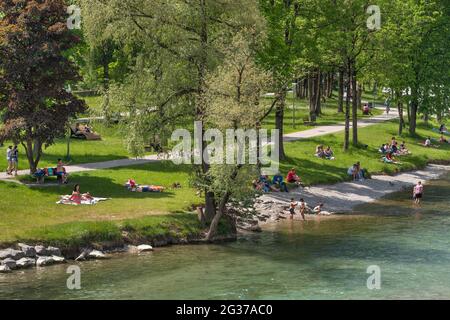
{"x": 9, "y": 161}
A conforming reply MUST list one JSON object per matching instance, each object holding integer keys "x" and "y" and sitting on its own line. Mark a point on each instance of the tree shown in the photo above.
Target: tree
{"x": 177, "y": 45}
{"x": 234, "y": 92}
{"x": 33, "y": 74}
{"x": 280, "y": 53}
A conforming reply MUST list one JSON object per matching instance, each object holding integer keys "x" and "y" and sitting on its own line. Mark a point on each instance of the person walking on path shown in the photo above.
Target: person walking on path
{"x": 418, "y": 192}
{"x": 8, "y": 160}
{"x": 14, "y": 160}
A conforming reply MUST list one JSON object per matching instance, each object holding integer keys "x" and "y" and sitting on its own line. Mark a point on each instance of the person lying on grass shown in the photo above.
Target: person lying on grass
{"x": 263, "y": 184}
{"x": 278, "y": 182}
{"x": 132, "y": 186}
{"x": 77, "y": 196}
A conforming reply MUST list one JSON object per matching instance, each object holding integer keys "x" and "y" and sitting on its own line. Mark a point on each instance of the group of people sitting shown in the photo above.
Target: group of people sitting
{"x": 429, "y": 142}
{"x": 356, "y": 172}
{"x": 324, "y": 153}
{"x": 277, "y": 183}
{"x": 60, "y": 172}
{"x": 393, "y": 149}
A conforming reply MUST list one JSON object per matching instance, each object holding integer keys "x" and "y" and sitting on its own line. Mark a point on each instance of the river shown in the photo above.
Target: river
{"x": 320, "y": 259}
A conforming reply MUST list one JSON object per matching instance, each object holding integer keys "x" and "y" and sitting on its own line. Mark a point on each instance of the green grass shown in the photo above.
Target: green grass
{"x": 330, "y": 115}
{"x": 33, "y": 212}
{"x": 300, "y": 154}
{"x": 111, "y": 147}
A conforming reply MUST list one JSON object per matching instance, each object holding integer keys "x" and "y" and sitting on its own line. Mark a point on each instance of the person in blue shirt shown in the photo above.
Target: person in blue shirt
{"x": 278, "y": 180}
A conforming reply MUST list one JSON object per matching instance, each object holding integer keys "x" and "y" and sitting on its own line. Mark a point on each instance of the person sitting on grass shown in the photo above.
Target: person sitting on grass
{"x": 389, "y": 158}
{"x": 292, "y": 177}
{"x": 442, "y": 139}
{"x": 442, "y": 129}
{"x": 384, "y": 148}
{"x": 356, "y": 172}
{"x": 403, "y": 149}
{"x": 427, "y": 142}
{"x": 319, "y": 151}
{"x": 77, "y": 196}
{"x": 328, "y": 153}
{"x": 278, "y": 181}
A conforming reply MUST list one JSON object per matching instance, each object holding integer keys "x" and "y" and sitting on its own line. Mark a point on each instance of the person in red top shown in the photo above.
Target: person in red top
{"x": 292, "y": 177}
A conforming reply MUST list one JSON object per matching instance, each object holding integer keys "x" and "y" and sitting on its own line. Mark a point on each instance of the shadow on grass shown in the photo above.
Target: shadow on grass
{"x": 100, "y": 187}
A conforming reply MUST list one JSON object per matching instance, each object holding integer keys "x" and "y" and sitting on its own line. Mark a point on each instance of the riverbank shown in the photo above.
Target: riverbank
{"x": 343, "y": 198}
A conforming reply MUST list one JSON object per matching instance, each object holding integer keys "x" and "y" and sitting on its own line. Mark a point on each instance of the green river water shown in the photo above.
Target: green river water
{"x": 322, "y": 259}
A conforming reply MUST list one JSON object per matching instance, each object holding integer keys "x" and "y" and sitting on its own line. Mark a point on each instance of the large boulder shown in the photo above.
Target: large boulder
{"x": 26, "y": 263}
{"x": 44, "y": 261}
{"x": 10, "y": 263}
{"x": 52, "y": 251}
{"x": 4, "y": 269}
{"x": 96, "y": 254}
{"x": 11, "y": 253}
{"x": 58, "y": 259}
{"x": 29, "y": 251}
{"x": 41, "y": 251}
{"x": 144, "y": 248}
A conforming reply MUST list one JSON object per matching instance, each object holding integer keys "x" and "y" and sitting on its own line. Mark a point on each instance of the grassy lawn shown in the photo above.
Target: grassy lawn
{"x": 32, "y": 213}
{"x": 318, "y": 171}
{"x": 300, "y": 111}
{"x": 111, "y": 147}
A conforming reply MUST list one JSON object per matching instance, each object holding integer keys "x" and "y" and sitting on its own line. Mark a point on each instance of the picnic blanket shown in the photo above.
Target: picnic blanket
{"x": 66, "y": 200}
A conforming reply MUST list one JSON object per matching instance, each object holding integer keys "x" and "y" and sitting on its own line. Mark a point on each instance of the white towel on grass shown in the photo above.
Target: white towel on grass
{"x": 66, "y": 200}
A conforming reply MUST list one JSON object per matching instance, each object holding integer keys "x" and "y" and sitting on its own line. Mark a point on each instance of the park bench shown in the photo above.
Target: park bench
{"x": 42, "y": 174}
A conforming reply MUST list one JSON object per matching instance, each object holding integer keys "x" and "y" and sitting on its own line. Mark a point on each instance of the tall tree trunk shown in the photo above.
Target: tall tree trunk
{"x": 347, "y": 109}
{"x": 215, "y": 221}
{"x": 330, "y": 84}
{"x": 355, "y": 107}
{"x": 279, "y": 122}
{"x": 341, "y": 90}
{"x": 413, "y": 111}
{"x": 318, "y": 93}
{"x": 312, "y": 98}
{"x": 402, "y": 121}
{"x": 106, "y": 82}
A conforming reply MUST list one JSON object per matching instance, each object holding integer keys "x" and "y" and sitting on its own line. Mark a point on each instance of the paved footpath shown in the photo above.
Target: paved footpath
{"x": 315, "y": 132}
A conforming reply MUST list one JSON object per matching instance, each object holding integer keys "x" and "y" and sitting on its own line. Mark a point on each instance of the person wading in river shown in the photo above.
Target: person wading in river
{"x": 418, "y": 192}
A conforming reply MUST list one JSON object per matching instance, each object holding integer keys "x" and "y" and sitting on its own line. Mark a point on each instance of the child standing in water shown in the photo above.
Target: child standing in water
{"x": 303, "y": 208}
{"x": 292, "y": 207}
{"x": 418, "y": 192}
